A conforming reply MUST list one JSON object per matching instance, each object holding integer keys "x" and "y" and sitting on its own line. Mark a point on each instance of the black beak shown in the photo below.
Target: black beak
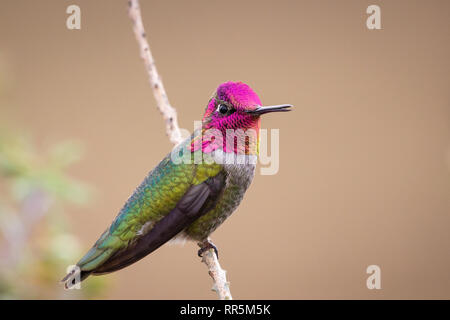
{"x": 262, "y": 110}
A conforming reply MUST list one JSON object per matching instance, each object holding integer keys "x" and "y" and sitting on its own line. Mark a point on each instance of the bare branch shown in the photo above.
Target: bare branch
{"x": 221, "y": 285}
{"x": 168, "y": 112}
{"x": 209, "y": 257}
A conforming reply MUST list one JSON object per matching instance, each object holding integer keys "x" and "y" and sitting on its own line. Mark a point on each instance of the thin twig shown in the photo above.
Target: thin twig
{"x": 168, "y": 112}
{"x": 221, "y": 286}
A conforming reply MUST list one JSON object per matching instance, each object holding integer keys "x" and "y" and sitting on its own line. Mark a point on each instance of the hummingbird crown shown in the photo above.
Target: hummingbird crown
{"x": 227, "y": 108}
{"x": 227, "y": 117}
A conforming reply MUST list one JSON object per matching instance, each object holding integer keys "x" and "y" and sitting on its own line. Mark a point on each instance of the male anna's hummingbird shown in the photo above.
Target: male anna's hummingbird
{"x": 182, "y": 196}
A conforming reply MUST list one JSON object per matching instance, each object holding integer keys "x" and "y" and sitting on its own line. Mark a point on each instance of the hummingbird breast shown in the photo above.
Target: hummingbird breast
{"x": 239, "y": 174}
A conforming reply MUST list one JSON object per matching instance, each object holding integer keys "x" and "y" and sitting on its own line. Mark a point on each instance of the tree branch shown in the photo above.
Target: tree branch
{"x": 209, "y": 257}
{"x": 221, "y": 285}
{"x": 168, "y": 112}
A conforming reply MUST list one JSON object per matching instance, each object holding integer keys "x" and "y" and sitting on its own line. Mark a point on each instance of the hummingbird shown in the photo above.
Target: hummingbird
{"x": 191, "y": 191}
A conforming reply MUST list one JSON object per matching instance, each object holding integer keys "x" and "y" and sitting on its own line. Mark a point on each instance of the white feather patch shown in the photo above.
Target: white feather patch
{"x": 179, "y": 239}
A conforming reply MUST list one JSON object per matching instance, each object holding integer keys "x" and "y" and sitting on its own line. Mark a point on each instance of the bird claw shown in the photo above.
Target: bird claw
{"x": 205, "y": 246}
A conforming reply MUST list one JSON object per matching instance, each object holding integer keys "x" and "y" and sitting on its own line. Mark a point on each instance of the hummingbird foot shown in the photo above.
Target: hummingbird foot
{"x": 205, "y": 246}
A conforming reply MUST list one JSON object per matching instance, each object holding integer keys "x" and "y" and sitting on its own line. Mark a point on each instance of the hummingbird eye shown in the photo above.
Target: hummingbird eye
{"x": 222, "y": 108}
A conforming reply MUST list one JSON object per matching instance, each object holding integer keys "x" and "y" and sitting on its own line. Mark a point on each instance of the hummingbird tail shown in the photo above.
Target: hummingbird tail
{"x": 73, "y": 278}
{"x": 87, "y": 265}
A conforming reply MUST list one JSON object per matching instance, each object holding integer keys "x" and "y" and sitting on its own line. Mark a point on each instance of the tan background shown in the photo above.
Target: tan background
{"x": 365, "y": 157}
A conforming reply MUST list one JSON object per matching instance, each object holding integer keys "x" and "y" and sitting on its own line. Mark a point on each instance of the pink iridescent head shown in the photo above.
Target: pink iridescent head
{"x": 234, "y": 113}
{"x": 235, "y": 105}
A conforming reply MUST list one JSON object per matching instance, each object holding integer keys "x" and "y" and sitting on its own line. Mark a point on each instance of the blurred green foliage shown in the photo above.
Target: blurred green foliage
{"x": 36, "y": 245}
